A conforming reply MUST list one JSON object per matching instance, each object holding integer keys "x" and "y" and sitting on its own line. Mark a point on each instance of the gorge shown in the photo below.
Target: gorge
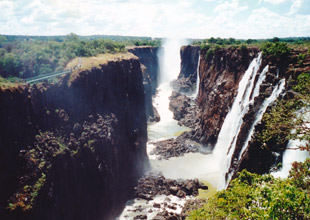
{"x": 107, "y": 133}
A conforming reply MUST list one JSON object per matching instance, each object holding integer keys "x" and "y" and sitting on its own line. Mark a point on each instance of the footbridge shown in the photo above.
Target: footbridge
{"x": 54, "y": 74}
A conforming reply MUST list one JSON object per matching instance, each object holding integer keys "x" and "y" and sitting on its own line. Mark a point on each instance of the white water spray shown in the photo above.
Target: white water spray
{"x": 227, "y": 138}
{"x": 291, "y": 155}
{"x": 197, "y": 80}
{"x": 275, "y": 94}
{"x": 170, "y": 63}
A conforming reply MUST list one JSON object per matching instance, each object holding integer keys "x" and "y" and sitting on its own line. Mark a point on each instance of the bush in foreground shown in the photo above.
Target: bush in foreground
{"x": 252, "y": 196}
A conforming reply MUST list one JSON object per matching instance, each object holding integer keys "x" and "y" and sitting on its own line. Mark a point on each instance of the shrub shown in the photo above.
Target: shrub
{"x": 301, "y": 57}
{"x": 303, "y": 84}
{"x": 243, "y": 47}
{"x": 209, "y": 54}
{"x": 278, "y": 49}
{"x": 253, "y": 196}
{"x": 205, "y": 47}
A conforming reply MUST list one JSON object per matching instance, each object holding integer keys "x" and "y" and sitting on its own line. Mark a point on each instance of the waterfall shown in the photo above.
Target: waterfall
{"x": 290, "y": 156}
{"x": 197, "y": 80}
{"x": 227, "y": 138}
{"x": 275, "y": 94}
{"x": 259, "y": 115}
{"x": 170, "y": 64}
{"x": 292, "y": 152}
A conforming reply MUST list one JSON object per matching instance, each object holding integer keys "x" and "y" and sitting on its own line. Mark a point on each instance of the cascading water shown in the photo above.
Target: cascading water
{"x": 227, "y": 138}
{"x": 275, "y": 94}
{"x": 167, "y": 127}
{"x": 291, "y": 155}
{"x": 197, "y": 80}
{"x": 170, "y": 61}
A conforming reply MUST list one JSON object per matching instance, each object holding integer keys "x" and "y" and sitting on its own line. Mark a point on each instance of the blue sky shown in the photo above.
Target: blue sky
{"x": 157, "y": 18}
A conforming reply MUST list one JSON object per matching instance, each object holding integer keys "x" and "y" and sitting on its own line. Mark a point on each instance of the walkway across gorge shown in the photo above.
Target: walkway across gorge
{"x": 53, "y": 74}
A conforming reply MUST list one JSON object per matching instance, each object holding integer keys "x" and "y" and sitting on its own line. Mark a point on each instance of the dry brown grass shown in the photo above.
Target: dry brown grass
{"x": 91, "y": 62}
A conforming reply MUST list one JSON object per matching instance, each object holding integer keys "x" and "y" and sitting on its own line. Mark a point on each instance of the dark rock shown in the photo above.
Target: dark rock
{"x": 181, "y": 194}
{"x": 89, "y": 129}
{"x": 220, "y": 75}
{"x": 149, "y": 59}
{"x": 175, "y": 147}
{"x": 140, "y": 217}
{"x": 156, "y": 205}
{"x": 154, "y": 184}
{"x": 77, "y": 129}
{"x": 189, "y": 63}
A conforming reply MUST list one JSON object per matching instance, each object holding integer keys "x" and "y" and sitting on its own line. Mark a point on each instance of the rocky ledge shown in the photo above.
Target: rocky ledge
{"x": 176, "y": 147}
{"x": 154, "y": 184}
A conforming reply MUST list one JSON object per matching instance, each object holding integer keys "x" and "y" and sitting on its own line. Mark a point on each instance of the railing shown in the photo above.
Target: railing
{"x": 53, "y": 74}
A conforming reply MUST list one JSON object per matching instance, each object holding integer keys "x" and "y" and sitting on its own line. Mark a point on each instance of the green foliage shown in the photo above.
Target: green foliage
{"x": 275, "y": 39}
{"x": 303, "y": 84}
{"x": 209, "y": 53}
{"x": 278, "y": 123}
{"x": 301, "y": 57}
{"x": 216, "y": 47}
{"x": 277, "y": 49}
{"x": 243, "y": 47}
{"x": 300, "y": 174}
{"x": 31, "y": 58}
{"x": 252, "y": 196}
{"x": 205, "y": 47}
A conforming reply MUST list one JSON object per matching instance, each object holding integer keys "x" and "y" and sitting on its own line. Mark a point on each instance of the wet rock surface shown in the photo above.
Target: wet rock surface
{"x": 185, "y": 110}
{"x": 220, "y": 75}
{"x": 150, "y": 67}
{"x": 175, "y": 147}
{"x": 154, "y": 184}
{"x": 190, "y": 205}
{"x": 184, "y": 85}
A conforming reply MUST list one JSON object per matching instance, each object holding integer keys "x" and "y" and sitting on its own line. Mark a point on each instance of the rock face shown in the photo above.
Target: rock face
{"x": 186, "y": 82}
{"x": 257, "y": 158}
{"x": 150, "y": 69}
{"x": 66, "y": 148}
{"x": 154, "y": 184}
{"x": 220, "y": 74}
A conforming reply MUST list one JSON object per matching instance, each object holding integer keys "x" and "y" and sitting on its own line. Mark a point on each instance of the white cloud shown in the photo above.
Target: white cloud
{"x": 295, "y": 6}
{"x": 232, "y": 7}
{"x": 274, "y": 2}
{"x": 156, "y": 18}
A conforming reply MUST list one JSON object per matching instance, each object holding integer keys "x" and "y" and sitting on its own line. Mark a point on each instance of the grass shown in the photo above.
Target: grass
{"x": 87, "y": 63}
{"x": 9, "y": 82}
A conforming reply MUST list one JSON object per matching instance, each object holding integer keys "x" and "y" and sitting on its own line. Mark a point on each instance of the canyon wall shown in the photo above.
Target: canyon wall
{"x": 220, "y": 73}
{"x": 74, "y": 149}
{"x": 189, "y": 62}
{"x": 257, "y": 158}
{"x": 186, "y": 82}
{"x": 150, "y": 69}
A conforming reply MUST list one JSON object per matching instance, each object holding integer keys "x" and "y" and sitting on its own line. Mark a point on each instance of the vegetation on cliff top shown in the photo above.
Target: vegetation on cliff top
{"x": 26, "y": 57}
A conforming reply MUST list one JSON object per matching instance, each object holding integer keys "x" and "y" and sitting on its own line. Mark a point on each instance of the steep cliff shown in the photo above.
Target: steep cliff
{"x": 256, "y": 157}
{"x": 220, "y": 73}
{"x": 150, "y": 69}
{"x": 187, "y": 78}
{"x": 73, "y": 150}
